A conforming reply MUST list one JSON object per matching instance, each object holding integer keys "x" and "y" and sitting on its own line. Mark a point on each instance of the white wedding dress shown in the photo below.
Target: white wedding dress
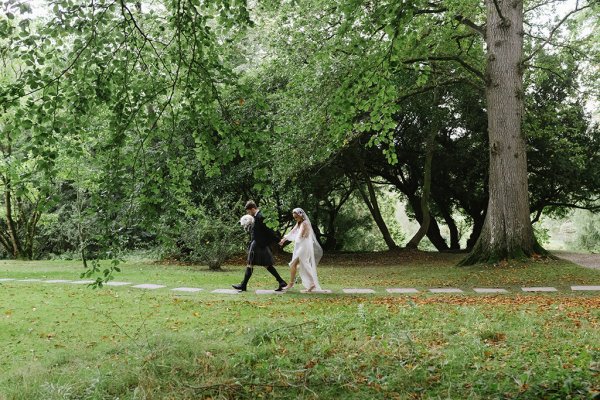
{"x": 308, "y": 252}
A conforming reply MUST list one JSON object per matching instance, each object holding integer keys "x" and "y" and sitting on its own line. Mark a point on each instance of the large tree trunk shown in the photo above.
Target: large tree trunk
{"x": 507, "y": 232}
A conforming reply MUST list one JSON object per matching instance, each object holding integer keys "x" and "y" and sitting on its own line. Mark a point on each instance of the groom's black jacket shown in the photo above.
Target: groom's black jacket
{"x": 261, "y": 233}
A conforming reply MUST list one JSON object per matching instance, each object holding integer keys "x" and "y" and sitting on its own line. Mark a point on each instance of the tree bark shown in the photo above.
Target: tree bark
{"x": 476, "y": 231}
{"x": 12, "y": 233}
{"x": 5, "y": 242}
{"x": 331, "y": 242}
{"x": 454, "y": 235}
{"x": 413, "y": 243}
{"x": 10, "y": 223}
{"x": 507, "y": 232}
{"x": 433, "y": 233}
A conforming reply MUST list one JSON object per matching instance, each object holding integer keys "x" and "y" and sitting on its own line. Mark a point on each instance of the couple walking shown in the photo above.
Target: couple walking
{"x": 306, "y": 256}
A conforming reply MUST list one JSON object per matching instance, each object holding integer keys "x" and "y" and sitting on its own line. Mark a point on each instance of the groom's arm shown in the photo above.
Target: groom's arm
{"x": 259, "y": 222}
{"x": 260, "y": 230}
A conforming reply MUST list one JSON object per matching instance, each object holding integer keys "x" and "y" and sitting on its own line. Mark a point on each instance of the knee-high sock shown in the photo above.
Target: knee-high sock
{"x": 274, "y": 272}
{"x": 247, "y": 275}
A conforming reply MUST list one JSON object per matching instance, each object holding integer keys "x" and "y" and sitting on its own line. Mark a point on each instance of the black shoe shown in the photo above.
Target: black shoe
{"x": 281, "y": 286}
{"x": 240, "y": 287}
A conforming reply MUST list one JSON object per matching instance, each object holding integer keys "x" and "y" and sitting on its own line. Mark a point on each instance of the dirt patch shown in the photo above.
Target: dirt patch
{"x": 377, "y": 258}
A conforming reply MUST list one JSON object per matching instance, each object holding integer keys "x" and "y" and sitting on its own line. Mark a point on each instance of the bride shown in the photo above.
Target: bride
{"x": 307, "y": 252}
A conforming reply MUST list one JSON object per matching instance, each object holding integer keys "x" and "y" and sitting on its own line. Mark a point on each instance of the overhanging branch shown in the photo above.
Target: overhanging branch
{"x": 480, "y": 29}
{"x": 554, "y": 30}
{"x": 428, "y": 88}
{"x": 505, "y": 22}
{"x": 457, "y": 59}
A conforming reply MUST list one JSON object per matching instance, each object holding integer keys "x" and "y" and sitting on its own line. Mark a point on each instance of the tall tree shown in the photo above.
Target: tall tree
{"x": 507, "y": 230}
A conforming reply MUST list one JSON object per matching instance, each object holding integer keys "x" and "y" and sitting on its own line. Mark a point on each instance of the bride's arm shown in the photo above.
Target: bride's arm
{"x": 291, "y": 236}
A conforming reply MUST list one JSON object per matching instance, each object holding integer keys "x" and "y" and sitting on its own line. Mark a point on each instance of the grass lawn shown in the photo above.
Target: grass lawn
{"x": 62, "y": 341}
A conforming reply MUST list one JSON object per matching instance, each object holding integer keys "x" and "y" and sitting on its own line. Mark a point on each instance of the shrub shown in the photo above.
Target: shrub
{"x": 209, "y": 240}
{"x": 588, "y": 237}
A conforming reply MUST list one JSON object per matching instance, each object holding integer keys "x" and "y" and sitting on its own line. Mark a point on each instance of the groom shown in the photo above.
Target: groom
{"x": 259, "y": 252}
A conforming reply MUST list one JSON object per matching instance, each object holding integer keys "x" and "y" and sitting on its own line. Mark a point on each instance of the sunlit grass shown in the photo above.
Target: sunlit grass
{"x": 65, "y": 341}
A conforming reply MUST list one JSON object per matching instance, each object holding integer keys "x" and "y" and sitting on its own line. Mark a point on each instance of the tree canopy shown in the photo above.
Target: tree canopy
{"x": 139, "y": 124}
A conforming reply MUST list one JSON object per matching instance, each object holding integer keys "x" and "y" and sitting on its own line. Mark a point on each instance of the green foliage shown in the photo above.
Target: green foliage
{"x": 388, "y": 204}
{"x": 102, "y": 275}
{"x": 588, "y": 235}
{"x": 357, "y": 231}
{"x": 541, "y": 234}
{"x": 117, "y": 85}
{"x": 117, "y": 121}
{"x": 206, "y": 239}
{"x": 563, "y": 141}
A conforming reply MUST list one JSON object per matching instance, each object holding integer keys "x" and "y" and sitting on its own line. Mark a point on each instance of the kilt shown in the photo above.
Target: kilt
{"x": 258, "y": 255}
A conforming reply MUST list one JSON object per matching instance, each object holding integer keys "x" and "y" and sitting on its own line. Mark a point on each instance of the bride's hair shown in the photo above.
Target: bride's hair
{"x": 299, "y": 212}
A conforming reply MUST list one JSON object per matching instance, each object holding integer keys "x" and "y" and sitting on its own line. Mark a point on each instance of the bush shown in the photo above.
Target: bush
{"x": 209, "y": 241}
{"x": 588, "y": 237}
{"x": 542, "y": 234}
{"x": 357, "y": 231}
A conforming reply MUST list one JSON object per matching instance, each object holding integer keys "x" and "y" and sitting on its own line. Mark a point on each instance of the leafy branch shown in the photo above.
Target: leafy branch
{"x": 553, "y": 31}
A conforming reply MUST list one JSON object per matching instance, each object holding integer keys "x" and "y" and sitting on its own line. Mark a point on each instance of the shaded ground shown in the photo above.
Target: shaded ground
{"x": 586, "y": 260}
{"x": 407, "y": 256}
{"x": 378, "y": 258}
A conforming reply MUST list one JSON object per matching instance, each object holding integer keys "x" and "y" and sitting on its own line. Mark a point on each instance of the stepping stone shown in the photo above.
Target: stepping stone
{"x": 539, "y": 289}
{"x": 322, "y": 291}
{"x": 446, "y": 290}
{"x": 362, "y": 291}
{"x": 84, "y": 282}
{"x": 57, "y": 281}
{"x": 402, "y": 290}
{"x": 117, "y": 283}
{"x": 585, "y": 287}
{"x": 6, "y": 279}
{"x": 187, "y": 289}
{"x": 266, "y": 291}
{"x": 30, "y": 280}
{"x": 490, "y": 290}
{"x": 149, "y": 286}
{"x": 226, "y": 291}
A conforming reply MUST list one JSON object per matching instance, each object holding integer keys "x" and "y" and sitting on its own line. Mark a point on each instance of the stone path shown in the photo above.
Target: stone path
{"x": 402, "y": 290}
{"x": 149, "y": 286}
{"x": 585, "y": 260}
{"x": 446, "y": 290}
{"x": 490, "y": 290}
